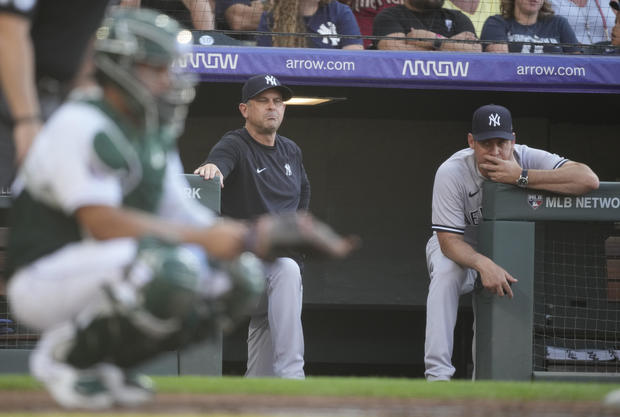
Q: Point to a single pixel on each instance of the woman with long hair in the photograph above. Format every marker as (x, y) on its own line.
(528, 26)
(322, 20)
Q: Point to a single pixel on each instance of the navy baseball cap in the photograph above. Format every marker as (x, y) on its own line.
(492, 121)
(259, 83)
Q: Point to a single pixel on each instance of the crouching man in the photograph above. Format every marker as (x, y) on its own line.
(107, 258)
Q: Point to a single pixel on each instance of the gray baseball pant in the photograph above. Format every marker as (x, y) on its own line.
(275, 334)
(448, 281)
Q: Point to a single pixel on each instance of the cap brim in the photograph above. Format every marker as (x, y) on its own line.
(499, 134)
(286, 92)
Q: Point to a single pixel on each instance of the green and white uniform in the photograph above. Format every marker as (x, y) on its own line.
(57, 267)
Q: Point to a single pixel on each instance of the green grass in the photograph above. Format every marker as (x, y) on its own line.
(116, 414)
(364, 387)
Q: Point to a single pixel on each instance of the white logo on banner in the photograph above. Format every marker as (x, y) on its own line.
(494, 120)
(435, 68)
(212, 60)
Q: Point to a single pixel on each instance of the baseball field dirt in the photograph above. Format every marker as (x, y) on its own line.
(38, 402)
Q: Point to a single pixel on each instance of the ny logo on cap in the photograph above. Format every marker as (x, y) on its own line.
(494, 120)
(270, 79)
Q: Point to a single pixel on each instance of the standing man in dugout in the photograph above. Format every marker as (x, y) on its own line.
(262, 172)
(452, 259)
(107, 258)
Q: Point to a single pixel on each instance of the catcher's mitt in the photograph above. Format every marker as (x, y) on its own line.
(274, 235)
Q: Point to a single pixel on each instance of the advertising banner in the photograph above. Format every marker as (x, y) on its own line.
(395, 69)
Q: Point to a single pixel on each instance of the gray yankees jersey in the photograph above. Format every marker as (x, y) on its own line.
(457, 191)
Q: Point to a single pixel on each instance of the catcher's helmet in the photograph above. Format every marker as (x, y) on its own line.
(130, 36)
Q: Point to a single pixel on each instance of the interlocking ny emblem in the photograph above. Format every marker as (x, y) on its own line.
(329, 28)
(270, 79)
(494, 120)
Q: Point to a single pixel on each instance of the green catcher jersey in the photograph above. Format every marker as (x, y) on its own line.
(87, 154)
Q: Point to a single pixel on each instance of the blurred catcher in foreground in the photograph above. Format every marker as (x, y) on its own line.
(108, 259)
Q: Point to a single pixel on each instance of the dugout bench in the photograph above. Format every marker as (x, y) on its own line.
(17, 341)
(562, 323)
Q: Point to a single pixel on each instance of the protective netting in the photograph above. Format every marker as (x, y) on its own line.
(12, 334)
(556, 26)
(577, 298)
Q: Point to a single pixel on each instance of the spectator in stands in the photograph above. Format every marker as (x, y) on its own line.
(193, 14)
(325, 17)
(365, 12)
(478, 11)
(424, 25)
(238, 15)
(612, 46)
(615, 32)
(452, 258)
(42, 50)
(591, 20)
(528, 26)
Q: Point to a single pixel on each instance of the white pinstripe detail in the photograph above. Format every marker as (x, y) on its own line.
(447, 229)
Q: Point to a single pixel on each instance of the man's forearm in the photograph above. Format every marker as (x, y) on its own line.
(409, 41)
(493, 277)
(242, 17)
(224, 239)
(497, 48)
(398, 45)
(573, 178)
(459, 46)
(17, 67)
(462, 42)
(201, 13)
(454, 247)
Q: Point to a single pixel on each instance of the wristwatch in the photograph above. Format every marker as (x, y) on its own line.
(522, 181)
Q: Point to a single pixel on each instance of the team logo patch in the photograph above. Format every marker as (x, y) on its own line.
(535, 200)
(271, 80)
(494, 120)
(329, 28)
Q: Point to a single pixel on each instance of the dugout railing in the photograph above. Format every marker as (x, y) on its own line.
(564, 320)
(17, 341)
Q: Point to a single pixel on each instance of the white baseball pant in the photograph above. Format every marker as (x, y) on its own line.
(448, 281)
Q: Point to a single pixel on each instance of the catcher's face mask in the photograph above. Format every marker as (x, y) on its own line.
(135, 49)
